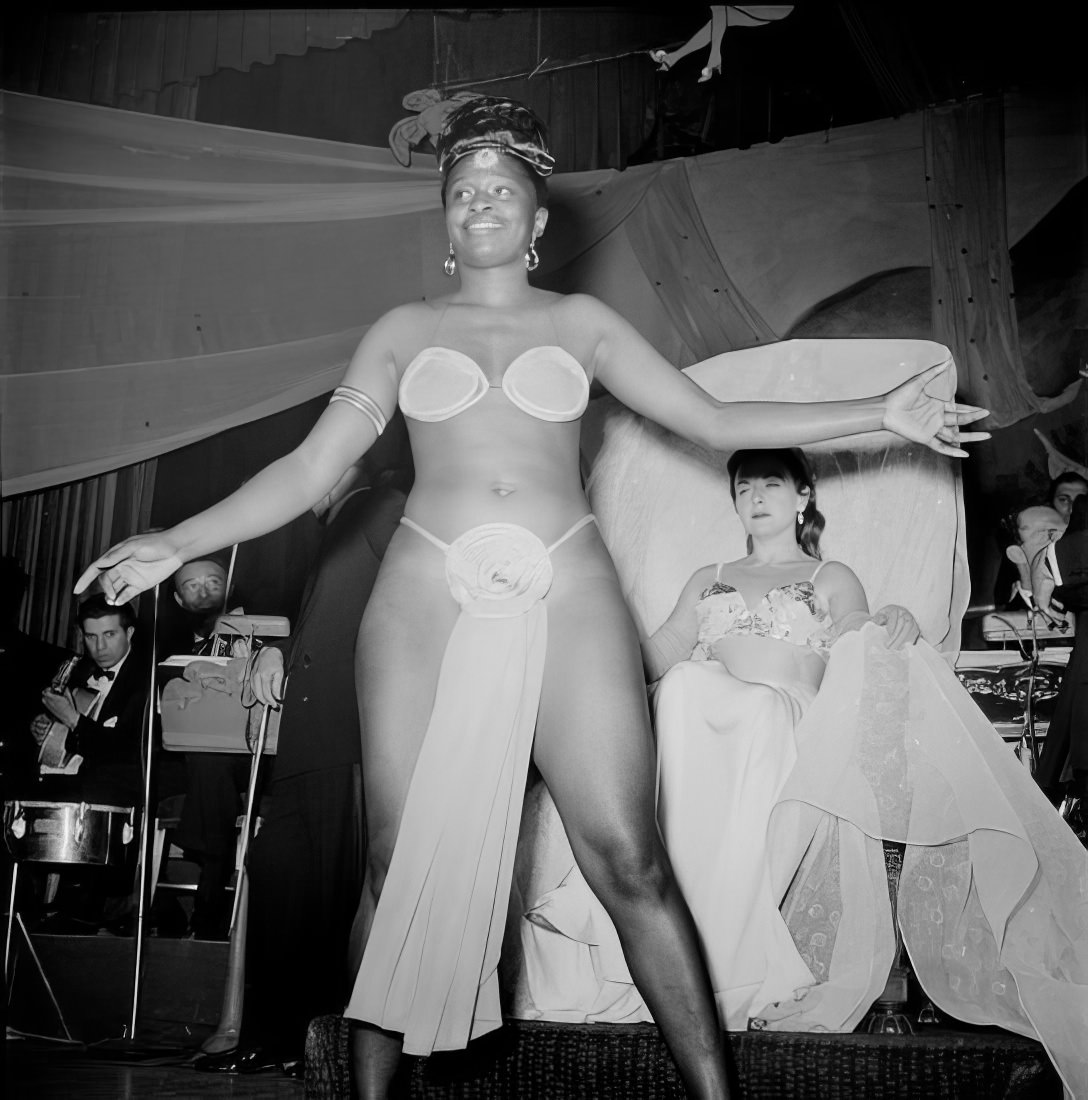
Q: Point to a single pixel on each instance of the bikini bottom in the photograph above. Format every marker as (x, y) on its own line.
(429, 971)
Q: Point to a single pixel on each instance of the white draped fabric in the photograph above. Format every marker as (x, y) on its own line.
(774, 810)
(894, 512)
(168, 279)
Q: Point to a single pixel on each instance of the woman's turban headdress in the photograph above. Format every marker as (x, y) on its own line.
(492, 123)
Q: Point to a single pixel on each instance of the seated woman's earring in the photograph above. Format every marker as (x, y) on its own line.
(450, 266)
(532, 260)
(800, 517)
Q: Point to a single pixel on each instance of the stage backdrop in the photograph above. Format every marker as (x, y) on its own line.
(168, 279)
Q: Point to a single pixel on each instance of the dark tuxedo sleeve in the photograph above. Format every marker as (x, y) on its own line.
(1071, 550)
(117, 742)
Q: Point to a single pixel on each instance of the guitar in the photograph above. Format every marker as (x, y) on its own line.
(50, 734)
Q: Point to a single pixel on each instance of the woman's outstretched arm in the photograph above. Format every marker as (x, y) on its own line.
(278, 493)
(632, 370)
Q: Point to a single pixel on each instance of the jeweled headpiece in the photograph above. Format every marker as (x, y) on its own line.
(492, 123)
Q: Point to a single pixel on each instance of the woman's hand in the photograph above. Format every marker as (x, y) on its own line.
(913, 414)
(902, 627)
(266, 680)
(132, 567)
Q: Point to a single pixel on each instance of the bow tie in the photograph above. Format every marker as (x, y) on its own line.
(102, 676)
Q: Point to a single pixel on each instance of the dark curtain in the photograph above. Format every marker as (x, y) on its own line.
(972, 288)
(57, 532)
(152, 61)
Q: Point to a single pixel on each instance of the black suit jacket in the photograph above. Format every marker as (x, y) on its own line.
(1067, 735)
(1071, 551)
(110, 743)
(320, 724)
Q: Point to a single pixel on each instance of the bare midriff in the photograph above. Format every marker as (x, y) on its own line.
(496, 464)
(769, 661)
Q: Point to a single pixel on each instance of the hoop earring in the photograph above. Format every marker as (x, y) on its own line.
(532, 260)
(450, 266)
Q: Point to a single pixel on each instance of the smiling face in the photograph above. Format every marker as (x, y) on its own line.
(491, 210)
(767, 498)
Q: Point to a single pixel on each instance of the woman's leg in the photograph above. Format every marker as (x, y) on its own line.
(401, 641)
(595, 752)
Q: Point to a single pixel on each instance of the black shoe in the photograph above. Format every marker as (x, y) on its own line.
(60, 924)
(224, 1062)
(123, 926)
(294, 1067)
(239, 1060)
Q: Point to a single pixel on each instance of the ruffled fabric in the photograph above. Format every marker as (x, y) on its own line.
(498, 570)
(993, 894)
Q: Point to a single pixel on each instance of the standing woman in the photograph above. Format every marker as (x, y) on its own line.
(498, 612)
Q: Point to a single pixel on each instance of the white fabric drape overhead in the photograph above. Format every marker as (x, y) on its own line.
(168, 279)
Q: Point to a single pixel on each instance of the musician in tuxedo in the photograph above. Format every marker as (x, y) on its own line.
(305, 865)
(100, 713)
(200, 591)
(97, 721)
(1060, 577)
(214, 783)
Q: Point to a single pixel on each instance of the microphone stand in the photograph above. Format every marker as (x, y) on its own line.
(1027, 737)
(125, 1046)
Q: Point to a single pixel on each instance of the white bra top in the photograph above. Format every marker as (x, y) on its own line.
(546, 382)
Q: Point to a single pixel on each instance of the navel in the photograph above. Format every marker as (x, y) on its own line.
(503, 488)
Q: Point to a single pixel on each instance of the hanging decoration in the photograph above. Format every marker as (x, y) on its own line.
(1058, 463)
(721, 17)
(413, 131)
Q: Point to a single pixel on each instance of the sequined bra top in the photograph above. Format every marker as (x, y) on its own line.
(791, 613)
(545, 382)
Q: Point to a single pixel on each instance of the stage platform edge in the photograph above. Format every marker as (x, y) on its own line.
(537, 1060)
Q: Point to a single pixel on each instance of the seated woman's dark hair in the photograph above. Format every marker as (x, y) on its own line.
(797, 468)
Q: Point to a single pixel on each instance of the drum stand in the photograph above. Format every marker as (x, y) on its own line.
(1028, 742)
(1027, 747)
(9, 970)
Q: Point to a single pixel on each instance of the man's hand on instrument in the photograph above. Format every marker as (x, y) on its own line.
(267, 677)
(913, 414)
(1042, 582)
(902, 627)
(132, 567)
(40, 726)
(62, 707)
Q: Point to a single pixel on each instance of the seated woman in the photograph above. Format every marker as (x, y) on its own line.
(740, 660)
(794, 734)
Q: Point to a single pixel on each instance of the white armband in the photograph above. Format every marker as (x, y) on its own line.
(363, 402)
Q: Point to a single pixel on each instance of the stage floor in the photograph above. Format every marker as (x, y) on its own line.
(38, 1071)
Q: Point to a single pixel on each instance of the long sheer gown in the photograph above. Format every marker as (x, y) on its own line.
(774, 800)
